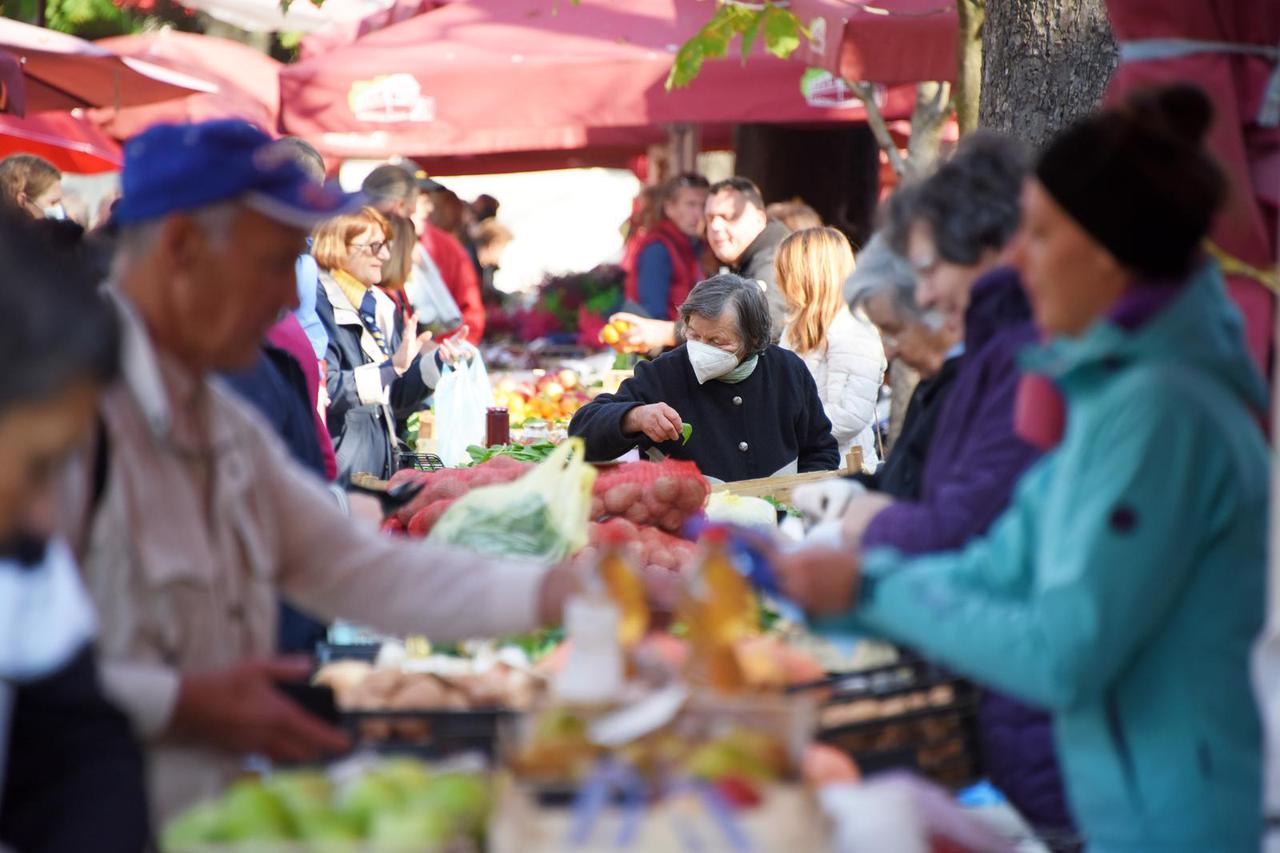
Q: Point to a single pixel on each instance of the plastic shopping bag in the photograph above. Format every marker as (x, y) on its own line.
(461, 400)
(542, 516)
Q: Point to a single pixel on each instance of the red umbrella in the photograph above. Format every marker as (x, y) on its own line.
(888, 41)
(66, 140)
(62, 72)
(531, 75)
(247, 81)
(1229, 49)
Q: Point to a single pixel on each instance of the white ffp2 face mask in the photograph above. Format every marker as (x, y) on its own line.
(709, 362)
(55, 211)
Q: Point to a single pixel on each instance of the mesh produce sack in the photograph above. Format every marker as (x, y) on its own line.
(661, 494)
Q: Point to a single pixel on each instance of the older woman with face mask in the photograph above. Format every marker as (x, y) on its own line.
(1125, 585)
(753, 407)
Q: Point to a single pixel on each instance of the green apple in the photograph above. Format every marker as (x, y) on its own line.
(201, 824)
(252, 813)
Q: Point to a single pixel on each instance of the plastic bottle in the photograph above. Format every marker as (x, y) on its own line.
(719, 609)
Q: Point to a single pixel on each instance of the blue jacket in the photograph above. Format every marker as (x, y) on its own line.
(1125, 585)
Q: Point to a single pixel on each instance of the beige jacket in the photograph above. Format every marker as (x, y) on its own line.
(204, 519)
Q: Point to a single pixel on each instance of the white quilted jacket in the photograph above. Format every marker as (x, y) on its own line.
(849, 370)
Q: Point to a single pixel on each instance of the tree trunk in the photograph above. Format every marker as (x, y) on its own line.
(1045, 63)
(968, 88)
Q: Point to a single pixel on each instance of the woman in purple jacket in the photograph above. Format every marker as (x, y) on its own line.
(960, 220)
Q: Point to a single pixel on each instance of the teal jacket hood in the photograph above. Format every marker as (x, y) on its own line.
(1200, 328)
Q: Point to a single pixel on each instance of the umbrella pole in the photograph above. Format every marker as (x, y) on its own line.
(683, 142)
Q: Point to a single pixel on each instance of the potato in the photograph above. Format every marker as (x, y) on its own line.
(637, 513)
(343, 677)
(420, 693)
(667, 490)
(619, 499)
(673, 520)
(693, 494)
(376, 690)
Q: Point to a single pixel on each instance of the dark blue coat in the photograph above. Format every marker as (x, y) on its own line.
(770, 423)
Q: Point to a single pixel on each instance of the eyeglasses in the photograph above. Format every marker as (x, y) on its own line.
(924, 266)
(375, 249)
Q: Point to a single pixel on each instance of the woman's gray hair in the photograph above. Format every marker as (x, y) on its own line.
(882, 271)
(711, 298)
(972, 203)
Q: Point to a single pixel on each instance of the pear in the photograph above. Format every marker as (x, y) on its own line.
(410, 831)
(250, 812)
(367, 798)
(199, 825)
(462, 799)
(303, 793)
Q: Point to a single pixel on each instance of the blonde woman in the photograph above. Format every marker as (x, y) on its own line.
(842, 350)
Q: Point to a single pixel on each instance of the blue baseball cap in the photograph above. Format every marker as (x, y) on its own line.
(175, 167)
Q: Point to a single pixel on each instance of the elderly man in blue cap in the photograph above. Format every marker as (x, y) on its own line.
(191, 518)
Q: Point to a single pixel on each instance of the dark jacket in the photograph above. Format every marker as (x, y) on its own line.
(757, 263)
(973, 462)
(770, 423)
(901, 475)
(362, 427)
(73, 775)
(276, 387)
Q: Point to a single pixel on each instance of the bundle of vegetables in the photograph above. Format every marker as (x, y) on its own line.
(531, 453)
(661, 494)
(542, 516)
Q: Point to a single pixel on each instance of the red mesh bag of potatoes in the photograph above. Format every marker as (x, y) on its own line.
(662, 494)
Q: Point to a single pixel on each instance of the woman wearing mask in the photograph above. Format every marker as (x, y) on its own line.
(841, 350)
(377, 368)
(1125, 584)
(71, 774)
(753, 408)
(33, 185)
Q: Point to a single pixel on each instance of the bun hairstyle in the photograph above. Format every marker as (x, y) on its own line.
(1139, 180)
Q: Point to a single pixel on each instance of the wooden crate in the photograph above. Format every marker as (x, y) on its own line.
(778, 488)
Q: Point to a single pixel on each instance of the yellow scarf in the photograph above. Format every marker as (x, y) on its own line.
(351, 287)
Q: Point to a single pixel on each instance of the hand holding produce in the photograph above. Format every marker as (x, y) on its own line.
(657, 421)
(822, 579)
(633, 333)
(241, 711)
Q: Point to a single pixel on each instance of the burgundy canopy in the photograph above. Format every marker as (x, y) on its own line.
(487, 76)
(1232, 51)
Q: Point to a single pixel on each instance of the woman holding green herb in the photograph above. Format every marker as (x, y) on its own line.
(755, 406)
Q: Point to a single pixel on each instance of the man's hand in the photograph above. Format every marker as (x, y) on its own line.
(642, 334)
(239, 710)
(859, 514)
(562, 581)
(658, 421)
(821, 579)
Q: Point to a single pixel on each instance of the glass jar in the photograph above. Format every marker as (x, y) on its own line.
(535, 431)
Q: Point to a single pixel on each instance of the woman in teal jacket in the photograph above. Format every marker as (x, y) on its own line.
(1125, 585)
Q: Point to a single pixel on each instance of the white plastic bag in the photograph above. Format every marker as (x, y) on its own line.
(461, 399)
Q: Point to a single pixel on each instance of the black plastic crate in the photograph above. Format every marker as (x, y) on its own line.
(419, 461)
(910, 715)
(431, 734)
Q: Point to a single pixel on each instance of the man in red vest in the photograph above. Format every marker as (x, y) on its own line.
(668, 262)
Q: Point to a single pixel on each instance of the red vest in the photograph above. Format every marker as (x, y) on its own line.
(686, 271)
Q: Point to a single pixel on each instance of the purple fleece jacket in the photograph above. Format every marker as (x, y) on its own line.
(973, 462)
(975, 457)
